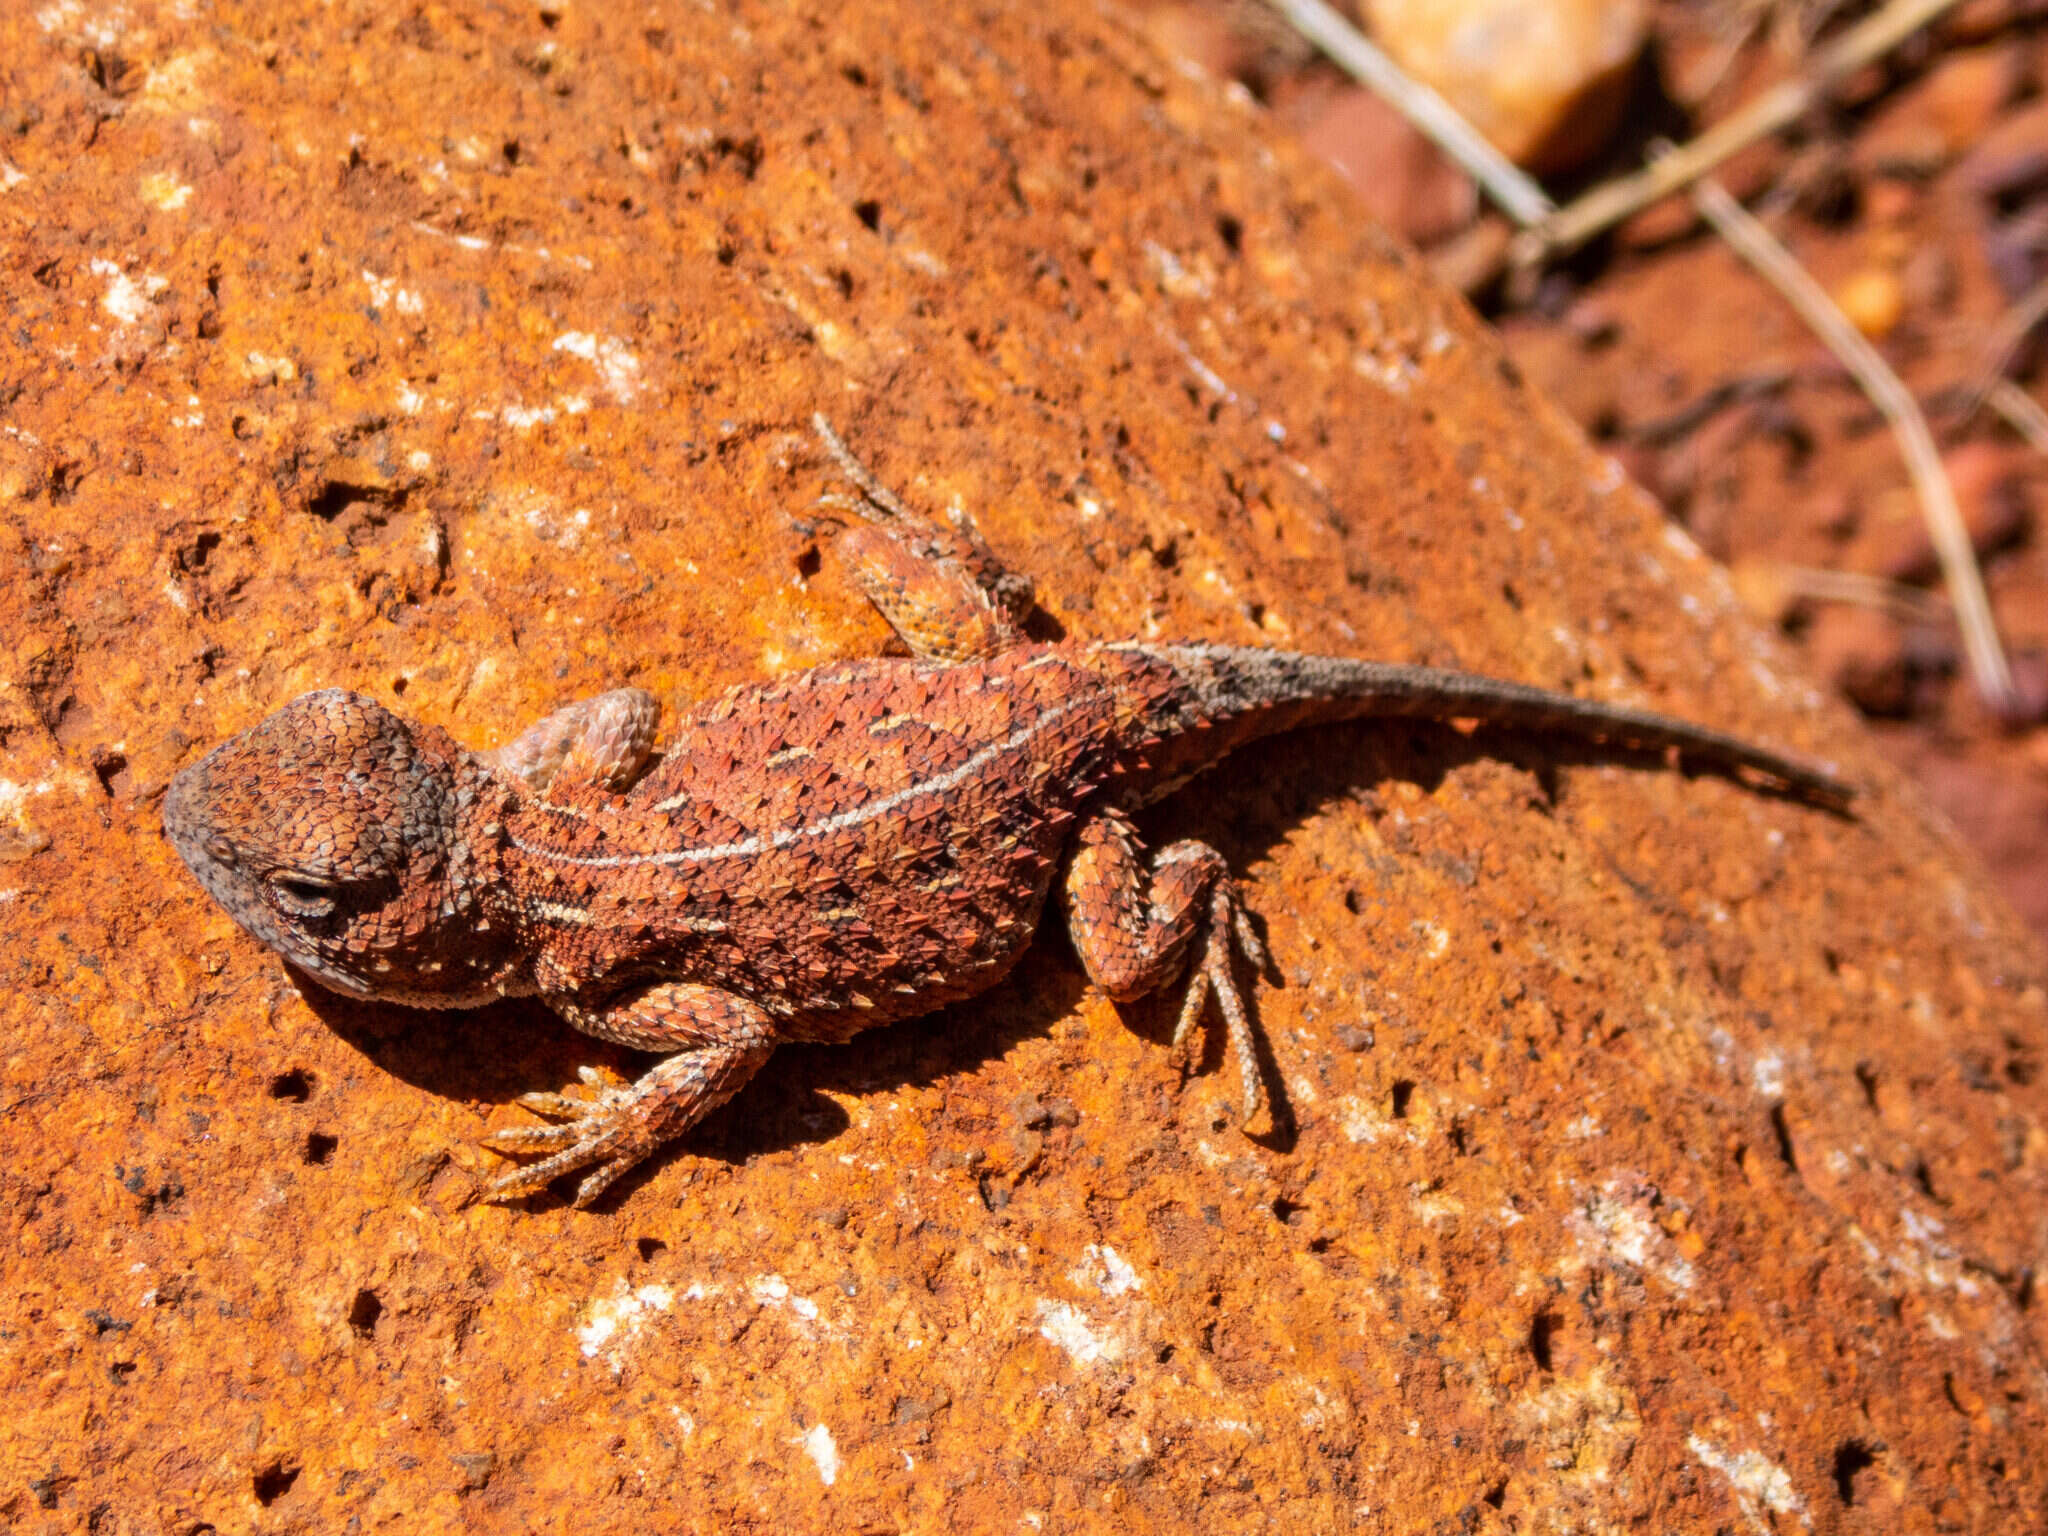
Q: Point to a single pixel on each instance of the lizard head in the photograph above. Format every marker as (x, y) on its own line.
(331, 831)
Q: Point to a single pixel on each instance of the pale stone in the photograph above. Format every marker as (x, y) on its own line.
(1545, 82)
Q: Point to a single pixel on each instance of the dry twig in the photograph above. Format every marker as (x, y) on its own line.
(2003, 344)
(1790, 584)
(1951, 539)
(1611, 202)
(1558, 230)
(1502, 180)
(2022, 412)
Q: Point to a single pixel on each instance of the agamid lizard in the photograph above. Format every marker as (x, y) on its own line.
(857, 843)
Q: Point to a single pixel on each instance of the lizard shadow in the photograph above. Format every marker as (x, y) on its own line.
(1270, 788)
(495, 1053)
(1246, 809)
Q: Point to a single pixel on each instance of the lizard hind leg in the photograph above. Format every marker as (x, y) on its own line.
(720, 1041)
(940, 587)
(1137, 930)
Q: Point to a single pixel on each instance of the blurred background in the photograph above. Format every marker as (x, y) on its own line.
(1911, 185)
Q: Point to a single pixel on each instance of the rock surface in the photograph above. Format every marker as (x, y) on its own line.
(1661, 1155)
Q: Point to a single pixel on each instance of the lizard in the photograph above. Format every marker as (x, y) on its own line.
(853, 844)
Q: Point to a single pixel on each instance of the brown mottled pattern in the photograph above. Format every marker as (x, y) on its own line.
(858, 843)
(862, 843)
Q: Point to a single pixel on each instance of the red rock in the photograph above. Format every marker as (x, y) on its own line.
(1863, 653)
(1205, 36)
(1944, 114)
(2012, 154)
(1992, 485)
(1402, 178)
(1692, 1174)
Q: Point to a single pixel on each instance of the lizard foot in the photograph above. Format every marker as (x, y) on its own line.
(595, 1130)
(1140, 928)
(1211, 973)
(621, 1124)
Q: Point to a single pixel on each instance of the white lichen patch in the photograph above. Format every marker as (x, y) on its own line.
(1757, 1481)
(164, 191)
(617, 1320)
(386, 294)
(1364, 1122)
(524, 418)
(10, 177)
(823, 1450)
(127, 298)
(1068, 1328)
(268, 368)
(1612, 1227)
(617, 368)
(1436, 1209)
(1436, 938)
(71, 21)
(173, 86)
(773, 1291)
(1104, 1269)
(25, 836)
(1176, 278)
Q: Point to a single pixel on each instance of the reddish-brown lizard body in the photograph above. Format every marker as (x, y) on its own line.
(858, 843)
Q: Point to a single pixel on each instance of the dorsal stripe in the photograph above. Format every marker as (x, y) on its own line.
(750, 847)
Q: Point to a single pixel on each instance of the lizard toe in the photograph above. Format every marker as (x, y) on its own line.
(558, 1106)
(1237, 1026)
(587, 1144)
(605, 1130)
(603, 1179)
(533, 1138)
(1248, 942)
(517, 1184)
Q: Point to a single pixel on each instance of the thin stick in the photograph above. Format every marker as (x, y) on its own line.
(1609, 203)
(1945, 528)
(2004, 342)
(2021, 412)
(1507, 184)
(1908, 604)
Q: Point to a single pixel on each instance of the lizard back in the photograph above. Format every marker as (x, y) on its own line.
(858, 843)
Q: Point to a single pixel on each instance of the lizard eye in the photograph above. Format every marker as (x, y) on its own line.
(301, 897)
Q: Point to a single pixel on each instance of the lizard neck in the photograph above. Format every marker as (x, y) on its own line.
(468, 946)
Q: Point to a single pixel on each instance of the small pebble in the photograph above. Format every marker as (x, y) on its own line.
(1873, 301)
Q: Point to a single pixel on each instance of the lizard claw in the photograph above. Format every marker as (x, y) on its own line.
(536, 1176)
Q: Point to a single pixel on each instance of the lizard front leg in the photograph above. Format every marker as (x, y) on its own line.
(720, 1039)
(942, 589)
(1136, 928)
(604, 740)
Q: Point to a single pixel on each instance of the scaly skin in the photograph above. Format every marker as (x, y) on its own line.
(855, 844)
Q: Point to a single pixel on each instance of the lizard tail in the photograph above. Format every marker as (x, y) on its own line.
(1247, 692)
